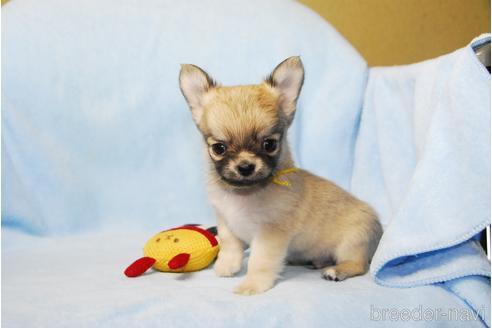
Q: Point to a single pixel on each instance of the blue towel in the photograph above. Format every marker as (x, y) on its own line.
(423, 159)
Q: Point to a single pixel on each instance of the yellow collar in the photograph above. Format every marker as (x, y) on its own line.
(279, 173)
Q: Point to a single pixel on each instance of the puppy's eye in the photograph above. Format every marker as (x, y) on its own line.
(270, 145)
(219, 148)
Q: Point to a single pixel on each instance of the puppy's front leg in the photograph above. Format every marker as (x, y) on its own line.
(231, 251)
(268, 251)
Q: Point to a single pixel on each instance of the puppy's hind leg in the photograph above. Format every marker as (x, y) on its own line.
(344, 270)
(350, 262)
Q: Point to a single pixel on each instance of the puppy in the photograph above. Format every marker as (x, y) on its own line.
(260, 198)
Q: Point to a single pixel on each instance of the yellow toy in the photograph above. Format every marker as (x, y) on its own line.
(183, 249)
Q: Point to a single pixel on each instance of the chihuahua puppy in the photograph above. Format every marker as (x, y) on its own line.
(260, 198)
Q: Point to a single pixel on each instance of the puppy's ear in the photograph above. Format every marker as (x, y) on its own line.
(288, 78)
(194, 83)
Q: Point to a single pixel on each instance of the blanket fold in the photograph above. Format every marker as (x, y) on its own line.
(423, 159)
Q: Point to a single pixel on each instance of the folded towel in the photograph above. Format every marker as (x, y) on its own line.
(423, 160)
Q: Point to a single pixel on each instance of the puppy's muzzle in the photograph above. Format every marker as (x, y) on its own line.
(246, 169)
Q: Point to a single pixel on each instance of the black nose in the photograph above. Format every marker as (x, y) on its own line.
(246, 169)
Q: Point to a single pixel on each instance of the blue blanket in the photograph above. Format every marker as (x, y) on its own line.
(96, 132)
(99, 152)
(78, 281)
(423, 159)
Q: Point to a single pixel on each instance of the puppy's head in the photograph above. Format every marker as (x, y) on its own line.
(244, 127)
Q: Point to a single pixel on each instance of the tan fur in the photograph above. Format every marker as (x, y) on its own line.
(234, 112)
(312, 220)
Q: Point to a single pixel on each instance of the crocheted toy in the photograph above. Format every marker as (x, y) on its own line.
(183, 249)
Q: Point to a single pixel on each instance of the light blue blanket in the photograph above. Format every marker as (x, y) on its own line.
(78, 281)
(423, 159)
(99, 152)
(96, 132)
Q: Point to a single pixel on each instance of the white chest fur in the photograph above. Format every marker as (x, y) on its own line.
(243, 213)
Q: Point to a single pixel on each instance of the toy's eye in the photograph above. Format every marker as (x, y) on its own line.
(176, 240)
(219, 148)
(270, 145)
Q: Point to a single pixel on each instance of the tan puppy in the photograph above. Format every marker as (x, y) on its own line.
(295, 216)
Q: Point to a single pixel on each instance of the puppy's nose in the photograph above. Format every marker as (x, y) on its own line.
(246, 169)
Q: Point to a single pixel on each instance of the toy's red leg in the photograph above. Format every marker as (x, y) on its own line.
(178, 261)
(139, 266)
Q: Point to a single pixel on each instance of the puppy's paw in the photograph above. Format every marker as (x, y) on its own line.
(227, 265)
(332, 273)
(254, 286)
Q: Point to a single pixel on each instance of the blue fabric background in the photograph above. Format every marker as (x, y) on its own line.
(96, 132)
